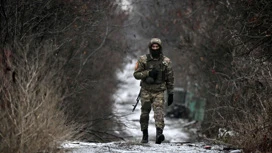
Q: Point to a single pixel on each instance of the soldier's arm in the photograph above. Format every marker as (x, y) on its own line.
(169, 76)
(140, 72)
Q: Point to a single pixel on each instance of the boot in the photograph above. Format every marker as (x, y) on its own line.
(145, 136)
(159, 136)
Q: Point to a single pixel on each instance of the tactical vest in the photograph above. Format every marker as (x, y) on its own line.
(159, 83)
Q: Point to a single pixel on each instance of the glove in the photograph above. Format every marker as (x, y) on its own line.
(153, 73)
(170, 99)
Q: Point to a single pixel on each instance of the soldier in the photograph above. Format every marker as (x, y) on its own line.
(156, 75)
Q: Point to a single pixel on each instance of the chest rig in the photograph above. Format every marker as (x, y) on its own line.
(159, 66)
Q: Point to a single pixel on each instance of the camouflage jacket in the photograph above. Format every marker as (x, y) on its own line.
(143, 67)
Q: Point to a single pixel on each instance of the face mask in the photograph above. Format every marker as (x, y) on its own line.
(155, 53)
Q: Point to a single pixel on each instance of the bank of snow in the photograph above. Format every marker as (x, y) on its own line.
(132, 147)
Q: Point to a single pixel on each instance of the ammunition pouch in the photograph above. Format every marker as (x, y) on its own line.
(159, 83)
(159, 66)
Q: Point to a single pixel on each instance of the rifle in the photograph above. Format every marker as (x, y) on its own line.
(137, 101)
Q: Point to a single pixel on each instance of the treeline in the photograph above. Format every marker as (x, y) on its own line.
(221, 50)
(57, 72)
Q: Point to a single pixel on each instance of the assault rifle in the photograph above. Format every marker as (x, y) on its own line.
(137, 101)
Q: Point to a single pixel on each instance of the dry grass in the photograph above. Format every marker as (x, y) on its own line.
(255, 133)
(245, 107)
(31, 119)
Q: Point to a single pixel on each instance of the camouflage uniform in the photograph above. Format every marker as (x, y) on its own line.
(152, 91)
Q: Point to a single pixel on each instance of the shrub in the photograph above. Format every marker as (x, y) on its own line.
(31, 119)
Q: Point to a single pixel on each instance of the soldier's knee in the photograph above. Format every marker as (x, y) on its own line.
(160, 125)
(146, 107)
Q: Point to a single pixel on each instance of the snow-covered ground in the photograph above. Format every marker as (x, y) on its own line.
(132, 147)
(176, 137)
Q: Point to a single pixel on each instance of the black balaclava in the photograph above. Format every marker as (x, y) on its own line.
(155, 53)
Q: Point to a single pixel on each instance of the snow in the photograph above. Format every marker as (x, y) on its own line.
(125, 5)
(132, 147)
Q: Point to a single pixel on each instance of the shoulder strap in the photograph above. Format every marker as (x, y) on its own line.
(148, 57)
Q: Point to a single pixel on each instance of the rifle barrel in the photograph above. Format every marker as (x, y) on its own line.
(137, 101)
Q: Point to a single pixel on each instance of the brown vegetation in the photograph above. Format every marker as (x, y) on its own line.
(31, 118)
(58, 60)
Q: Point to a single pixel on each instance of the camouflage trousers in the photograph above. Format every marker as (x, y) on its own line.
(155, 101)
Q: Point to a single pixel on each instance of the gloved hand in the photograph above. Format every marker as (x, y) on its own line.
(170, 99)
(153, 73)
